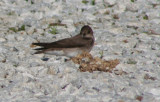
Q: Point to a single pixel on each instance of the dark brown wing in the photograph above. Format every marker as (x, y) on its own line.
(76, 41)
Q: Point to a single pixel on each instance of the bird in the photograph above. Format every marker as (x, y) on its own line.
(70, 47)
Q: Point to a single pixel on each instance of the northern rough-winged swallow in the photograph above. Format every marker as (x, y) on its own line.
(69, 47)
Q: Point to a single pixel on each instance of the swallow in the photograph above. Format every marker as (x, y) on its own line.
(70, 47)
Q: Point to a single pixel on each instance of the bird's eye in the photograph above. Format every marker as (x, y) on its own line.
(83, 35)
(89, 31)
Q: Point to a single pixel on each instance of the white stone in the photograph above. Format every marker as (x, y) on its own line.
(30, 30)
(120, 9)
(10, 37)
(155, 21)
(20, 38)
(110, 2)
(2, 39)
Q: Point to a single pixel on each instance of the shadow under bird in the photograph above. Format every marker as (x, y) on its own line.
(70, 47)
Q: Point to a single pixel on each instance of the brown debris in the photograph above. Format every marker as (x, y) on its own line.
(120, 72)
(115, 16)
(125, 41)
(147, 77)
(121, 101)
(139, 98)
(57, 24)
(88, 63)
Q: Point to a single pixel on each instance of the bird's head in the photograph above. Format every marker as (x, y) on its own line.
(87, 32)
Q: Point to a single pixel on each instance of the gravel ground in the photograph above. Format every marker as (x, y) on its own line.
(127, 30)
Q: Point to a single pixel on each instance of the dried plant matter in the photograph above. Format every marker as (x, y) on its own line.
(89, 63)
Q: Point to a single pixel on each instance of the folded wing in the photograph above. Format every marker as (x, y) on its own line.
(73, 42)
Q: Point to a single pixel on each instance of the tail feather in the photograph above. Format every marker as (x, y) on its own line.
(39, 44)
(43, 47)
(39, 49)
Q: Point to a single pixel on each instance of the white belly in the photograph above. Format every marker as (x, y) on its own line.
(67, 52)
(55, 52)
